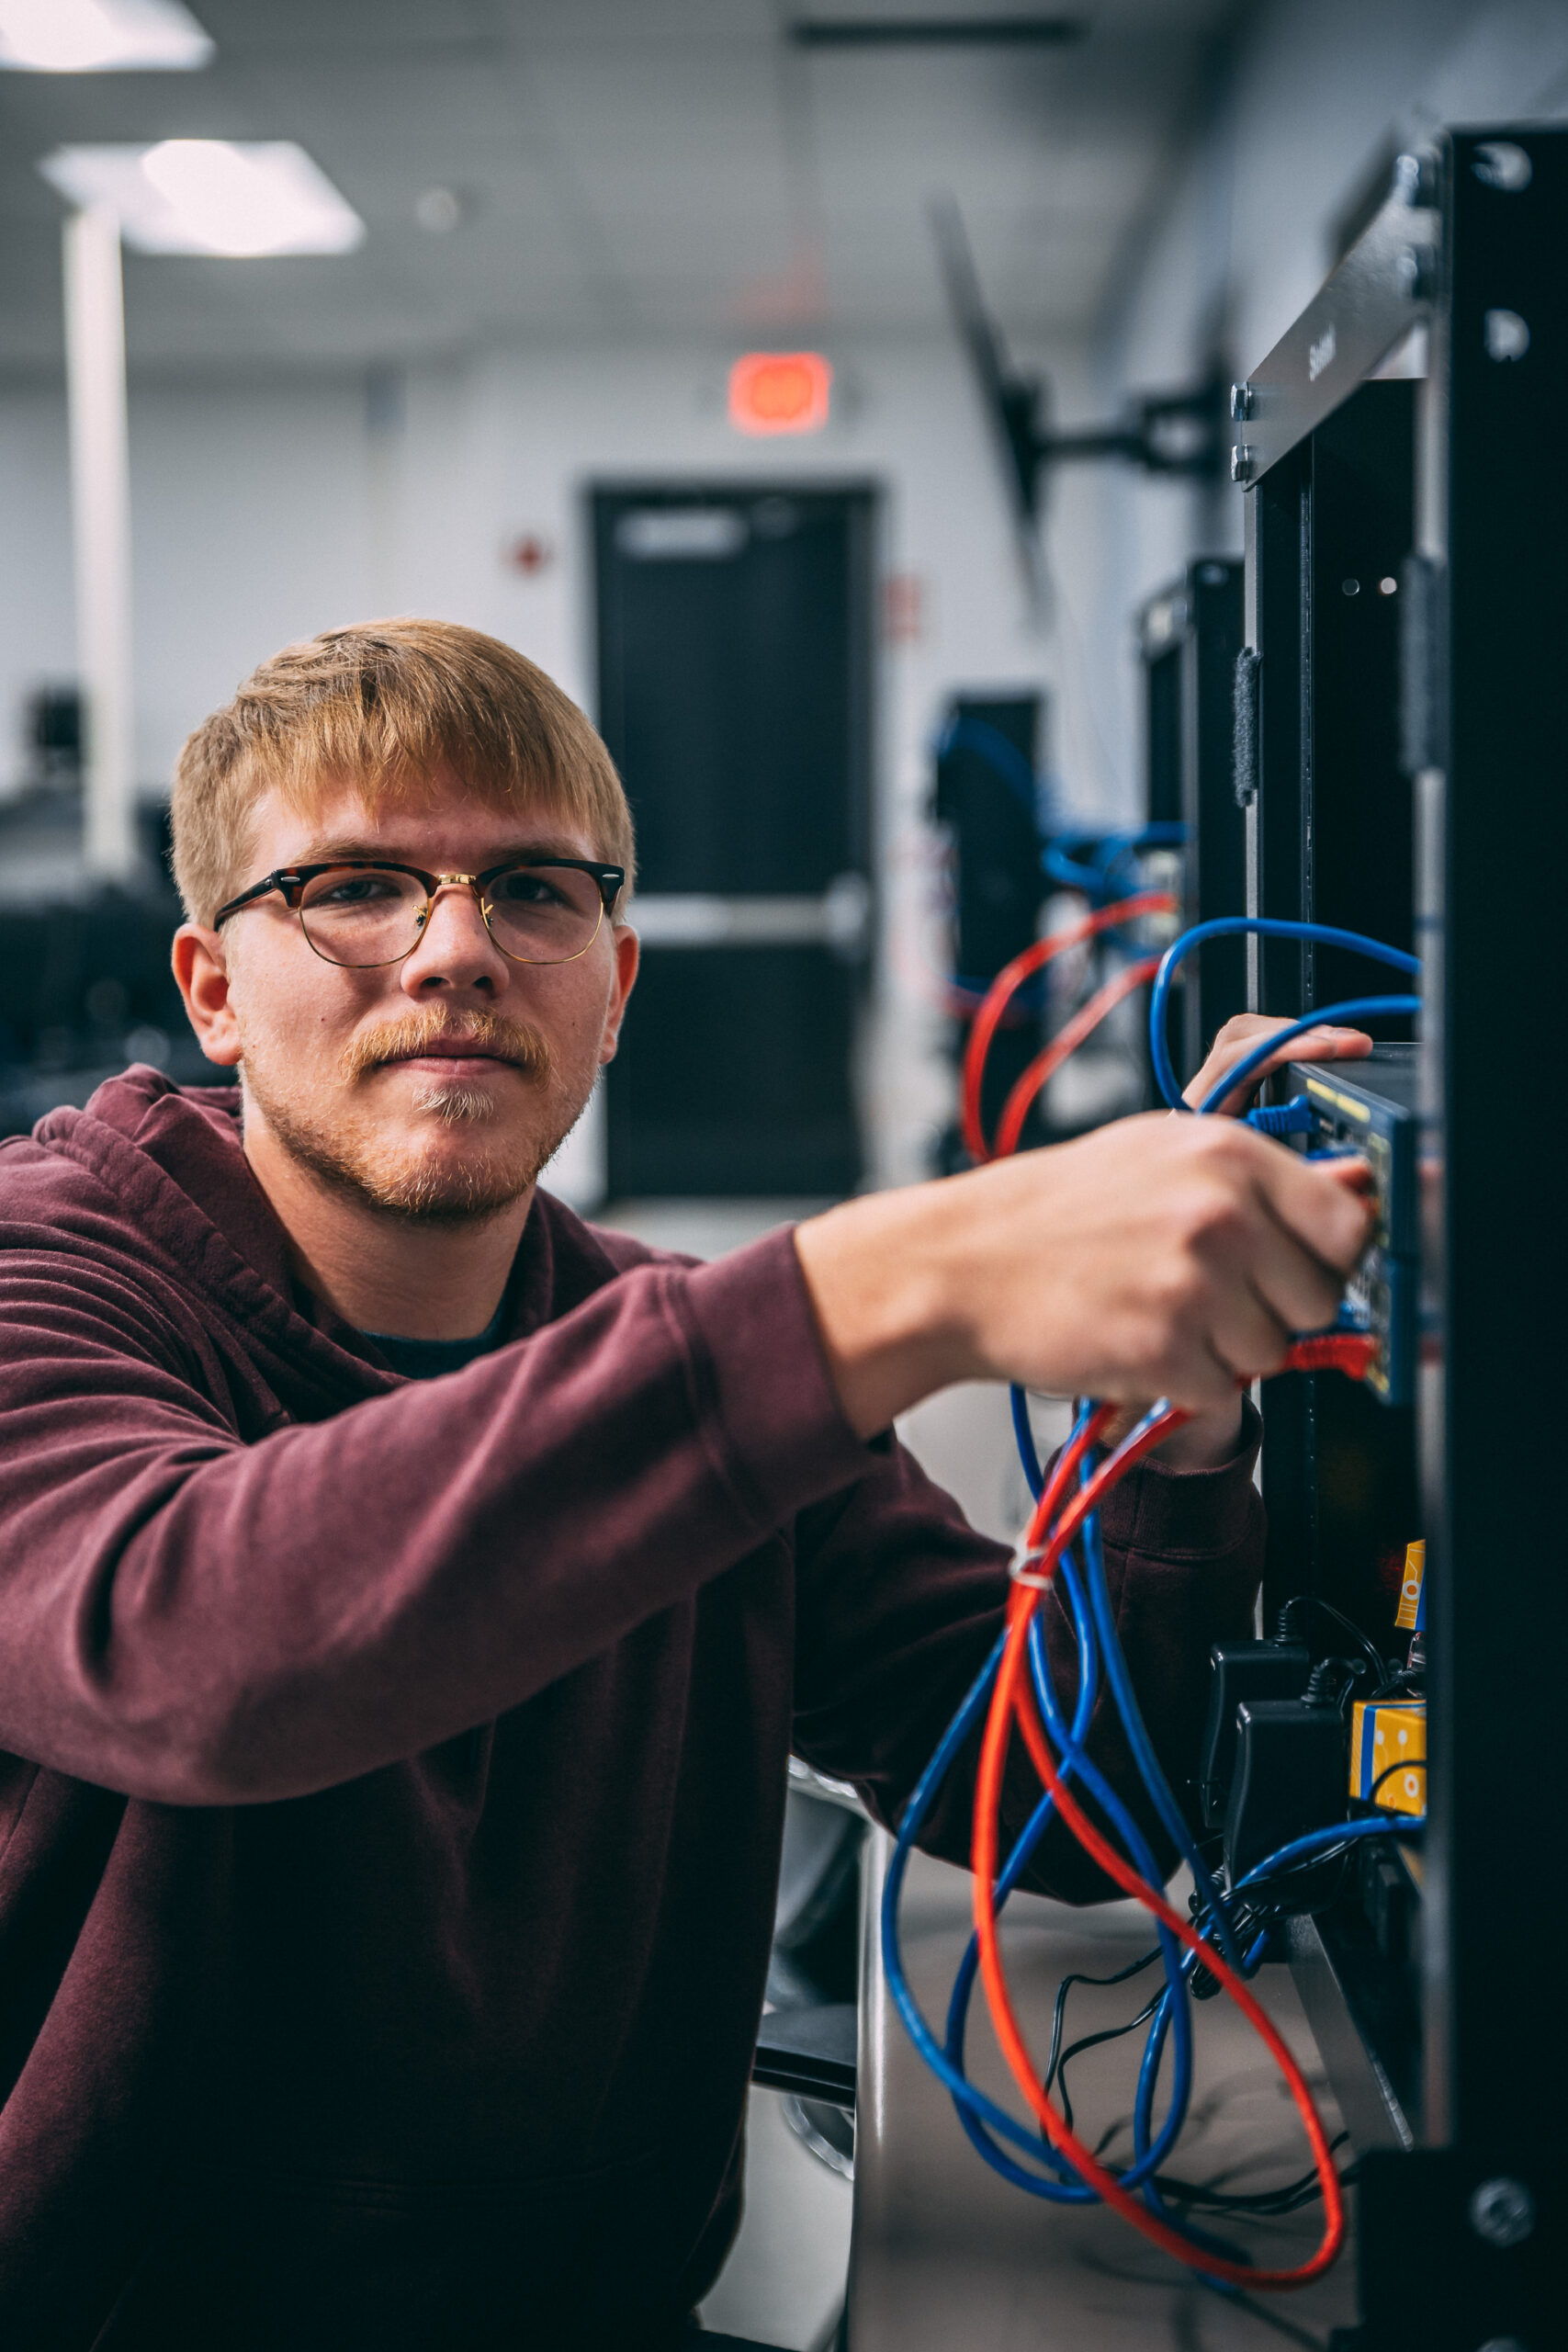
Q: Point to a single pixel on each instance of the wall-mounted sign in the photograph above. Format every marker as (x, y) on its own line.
(780, 391)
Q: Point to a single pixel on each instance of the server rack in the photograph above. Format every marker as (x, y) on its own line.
(985, 797)
(1188, 637)
(1460, 2210)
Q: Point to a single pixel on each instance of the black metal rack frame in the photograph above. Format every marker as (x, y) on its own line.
(1189, 636)
(1468, 469)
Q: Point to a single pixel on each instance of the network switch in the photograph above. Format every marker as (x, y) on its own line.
(1370, 1107)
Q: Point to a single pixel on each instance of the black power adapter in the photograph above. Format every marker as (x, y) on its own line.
(1290, 1777)
(1241, 1670)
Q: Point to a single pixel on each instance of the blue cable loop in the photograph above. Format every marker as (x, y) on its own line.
(1268, 927)
(1069, 2191)
(1318, 1841)
(1351, 1007)
(1106, 853)
(1094, 1624)
(972, 2105)
(999, 752)
(1147, 2156)
(1150, 1772)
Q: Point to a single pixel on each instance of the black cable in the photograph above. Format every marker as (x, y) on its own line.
(1263, 2202)
(1287, 1623)
(1089, 2041)
(1405, 1764)
(1410, 1681)
(1058, 2015)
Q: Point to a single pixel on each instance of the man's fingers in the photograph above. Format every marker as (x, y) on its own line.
(1245, 1031)
(1318, 1207)
(1292, 1285)
(1330, 1045)
(1248, 1334)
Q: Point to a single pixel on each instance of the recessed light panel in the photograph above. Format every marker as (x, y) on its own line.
(211, 196)
(100, 37)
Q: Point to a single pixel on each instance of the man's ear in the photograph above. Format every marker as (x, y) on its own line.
(628, 952)
(203, 975)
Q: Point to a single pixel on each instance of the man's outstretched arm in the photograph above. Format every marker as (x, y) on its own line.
(1157, 1257)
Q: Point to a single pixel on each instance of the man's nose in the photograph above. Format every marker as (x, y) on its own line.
(455, 948)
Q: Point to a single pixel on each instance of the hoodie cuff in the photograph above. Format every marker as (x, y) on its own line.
(1186, 1514)
(775, 1411)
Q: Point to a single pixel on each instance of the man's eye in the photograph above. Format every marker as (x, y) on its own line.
(357, 890)
(527, 890)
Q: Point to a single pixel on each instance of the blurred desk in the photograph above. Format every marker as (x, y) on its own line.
(949, 2257)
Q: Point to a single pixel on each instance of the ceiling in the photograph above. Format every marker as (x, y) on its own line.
(626, 168)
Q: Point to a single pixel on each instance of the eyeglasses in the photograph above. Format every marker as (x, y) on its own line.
(360, 913)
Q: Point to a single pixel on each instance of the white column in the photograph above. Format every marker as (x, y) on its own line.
(101, 505)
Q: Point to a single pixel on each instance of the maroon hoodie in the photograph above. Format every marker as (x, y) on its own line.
(396, 1772)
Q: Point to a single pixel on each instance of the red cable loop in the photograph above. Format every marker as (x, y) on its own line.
(1051, 1529)
(1013, 1700)
(1010, 979)
(1065, 1042)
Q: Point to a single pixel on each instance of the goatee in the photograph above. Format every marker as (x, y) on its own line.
(349, 1154)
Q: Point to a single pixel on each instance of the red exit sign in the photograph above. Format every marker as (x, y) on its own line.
(780, 391)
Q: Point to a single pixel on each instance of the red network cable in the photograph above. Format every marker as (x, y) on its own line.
(1050, 1531)
(1054, 1522)
(1010, 979)
(1064, 1044)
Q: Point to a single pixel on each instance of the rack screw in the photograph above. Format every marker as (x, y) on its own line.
(1244, 462)
(1502, 2211)
(1416, 275)
(1244, 400)
(1415, 178)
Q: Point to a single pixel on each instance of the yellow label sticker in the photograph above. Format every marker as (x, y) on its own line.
(1346, 1102)
(1410, 1585)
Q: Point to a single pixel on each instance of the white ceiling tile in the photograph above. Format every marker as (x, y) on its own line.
(658, 167)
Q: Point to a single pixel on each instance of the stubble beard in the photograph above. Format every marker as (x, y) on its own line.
(343, 1149)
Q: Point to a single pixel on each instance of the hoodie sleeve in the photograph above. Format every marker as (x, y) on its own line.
(901, 1601)
(191, 1617)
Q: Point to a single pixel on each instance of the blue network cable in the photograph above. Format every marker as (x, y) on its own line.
(980, 2116)
(1268, 927)
(948, 2063)
(1099, 1650)
(1001, 754)
(1351, 1007)
(1170, 1814)
(975, 2110)
(1107, 852)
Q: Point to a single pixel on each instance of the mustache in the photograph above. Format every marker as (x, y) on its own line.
(417, 1033)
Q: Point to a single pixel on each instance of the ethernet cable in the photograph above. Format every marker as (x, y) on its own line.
(1323, 935)
(1006, 1692)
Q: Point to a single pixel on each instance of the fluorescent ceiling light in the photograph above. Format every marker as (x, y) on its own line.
(207, 196)
(100, 37)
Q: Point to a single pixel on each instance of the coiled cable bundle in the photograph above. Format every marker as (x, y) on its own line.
(1221, 1943)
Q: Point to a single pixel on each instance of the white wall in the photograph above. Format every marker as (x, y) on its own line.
(264, 513)
(1317, 91)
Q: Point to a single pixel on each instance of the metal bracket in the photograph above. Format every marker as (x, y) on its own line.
(1384, 285)
(1459, 2251)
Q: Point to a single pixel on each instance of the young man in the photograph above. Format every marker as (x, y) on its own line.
(389, 1834)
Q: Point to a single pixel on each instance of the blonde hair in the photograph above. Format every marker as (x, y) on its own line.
(381, 705)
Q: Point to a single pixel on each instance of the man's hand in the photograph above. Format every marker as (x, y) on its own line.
(1211, 1438)
(1156, 1257)
(1245, 1030)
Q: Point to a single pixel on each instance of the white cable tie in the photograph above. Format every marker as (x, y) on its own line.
(1018, 1567)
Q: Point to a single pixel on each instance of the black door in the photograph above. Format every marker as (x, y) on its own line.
(734, 638)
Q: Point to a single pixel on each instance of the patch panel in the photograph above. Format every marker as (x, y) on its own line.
(1370, 1107)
